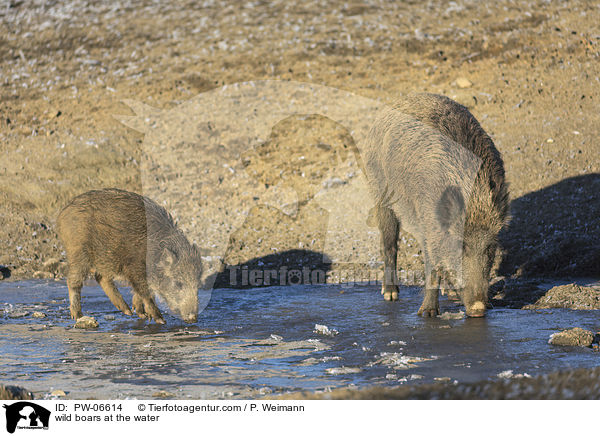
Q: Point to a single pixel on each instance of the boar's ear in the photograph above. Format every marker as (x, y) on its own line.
(167, 258)
(451, 207)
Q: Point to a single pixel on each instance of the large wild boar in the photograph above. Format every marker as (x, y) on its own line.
(435, 173)
(119, 234)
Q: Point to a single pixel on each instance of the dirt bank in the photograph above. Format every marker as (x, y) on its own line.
(580, 384)
(532, 75)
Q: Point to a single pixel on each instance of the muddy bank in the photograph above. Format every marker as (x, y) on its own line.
(579, 384)
(569, 296)
(538, 293)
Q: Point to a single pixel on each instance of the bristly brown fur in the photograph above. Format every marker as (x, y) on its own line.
(120, 234)
(455, 121)
(446, 179)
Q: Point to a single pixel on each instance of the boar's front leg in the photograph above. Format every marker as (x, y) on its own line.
(389, 228)
(113, 293)
(431, 306)
(74, 283)
(79, 267)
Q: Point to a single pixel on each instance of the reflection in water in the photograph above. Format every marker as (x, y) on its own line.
(252, 342)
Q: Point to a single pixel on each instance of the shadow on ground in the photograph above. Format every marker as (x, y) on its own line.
(555, 232)
(290, 267)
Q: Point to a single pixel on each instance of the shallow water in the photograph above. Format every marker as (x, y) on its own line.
(231, 353)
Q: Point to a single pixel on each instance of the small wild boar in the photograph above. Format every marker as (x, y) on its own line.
(119, 234)
(435, 173)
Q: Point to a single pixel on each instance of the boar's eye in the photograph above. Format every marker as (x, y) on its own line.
(178, 284)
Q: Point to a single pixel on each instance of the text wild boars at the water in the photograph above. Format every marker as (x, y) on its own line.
(119, 234)
(435, 173)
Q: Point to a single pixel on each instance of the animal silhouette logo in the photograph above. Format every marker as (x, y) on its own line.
(225, 123)
(194, 162)
(26, 415)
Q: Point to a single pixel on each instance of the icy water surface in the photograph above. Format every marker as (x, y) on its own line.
(248, 343)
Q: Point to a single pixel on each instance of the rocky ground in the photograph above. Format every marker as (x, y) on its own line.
(14, 393)
(577, 384)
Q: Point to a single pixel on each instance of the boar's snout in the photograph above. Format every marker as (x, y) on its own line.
(190, 319)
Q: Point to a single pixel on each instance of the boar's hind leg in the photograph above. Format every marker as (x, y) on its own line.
(389, 228)
(144, 298)
(446, 287)
(152, 311)
(113, 293)
(431, 305)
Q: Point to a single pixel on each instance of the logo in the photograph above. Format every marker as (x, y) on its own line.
(240, 125)
(26, 415)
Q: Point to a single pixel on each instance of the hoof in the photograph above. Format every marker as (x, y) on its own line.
(390, 296)
(476, 310)
(389, 292)
(428, 312)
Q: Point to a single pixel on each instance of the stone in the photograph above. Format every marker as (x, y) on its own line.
(572, 337)
(86, 322)
(463, 82)
(14, 393)
(324, 330)
(570, 296)
(43, 275)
